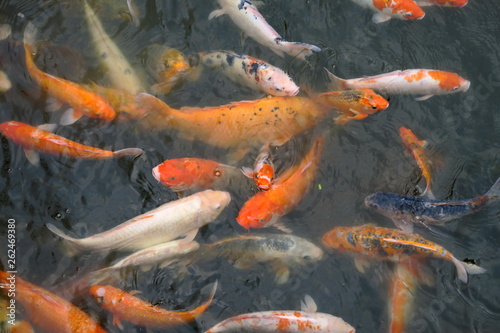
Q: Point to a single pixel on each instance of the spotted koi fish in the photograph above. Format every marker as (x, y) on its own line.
(406, 210)
(253, 24)
(444, 3)
(416, 148)
(251, 72)
(263, 170)
(399, 9)
(377, 243)
(423, 82)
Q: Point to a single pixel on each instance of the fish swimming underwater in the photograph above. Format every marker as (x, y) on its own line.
(165, 223)
(46, 310)
(399, 9)
(266, 207)
(377, 243)
(124, 306)
(416, 148)
(251, 72)
(263, 170)
(307, 320)
(425, 82)
(444, 3)
(37, 139)
(405, 210)
(253, 24)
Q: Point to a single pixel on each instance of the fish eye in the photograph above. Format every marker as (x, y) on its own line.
(408, 14)
(455, 88)
(217, 173)
(217, 206)
(277, 89)
(374, 107)
(306, 257)
(100, 299)
(375, 206)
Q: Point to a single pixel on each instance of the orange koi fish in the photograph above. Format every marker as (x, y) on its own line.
(379, 243)
(415, 147)
(125, 306)
(266, 207)
(22, 326)
(354, 104)
(182, 174)
(387, 9)
(46, 310)
(121, 101)
(444, 3)
(82, 100)
(35, 140)
(263, 170)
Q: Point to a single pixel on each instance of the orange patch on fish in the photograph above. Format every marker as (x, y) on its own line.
(416, 77)
(447, 81)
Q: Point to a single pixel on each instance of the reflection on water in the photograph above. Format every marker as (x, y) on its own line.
(360, 158)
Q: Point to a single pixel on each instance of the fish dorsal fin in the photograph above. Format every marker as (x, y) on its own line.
(361, 264)
(216, 13)
(380, 17)
(47, 127)
(308, 305)
(404, 225)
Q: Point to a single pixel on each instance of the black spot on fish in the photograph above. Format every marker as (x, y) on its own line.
(260, 109)
(278, 40)
(104, 55)
(223, 114)
(254, 68)
(350, 239)
(230, 59)
(255, 113)
(241, 4)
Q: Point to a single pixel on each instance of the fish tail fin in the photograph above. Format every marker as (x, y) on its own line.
(473, 269)
(464, 267)
(494, 191)
(336, 83)
(199, 310)
(29, 35)
(298, 49)
(70, 245)
(134, 152)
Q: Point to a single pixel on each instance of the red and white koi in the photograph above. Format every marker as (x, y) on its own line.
(263, 170)
(40, 139)
(387, 9)
(444, 3)
(251, 72)
(252, 23)
(425, 82)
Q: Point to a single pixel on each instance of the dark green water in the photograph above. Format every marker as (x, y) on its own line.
(360, 158)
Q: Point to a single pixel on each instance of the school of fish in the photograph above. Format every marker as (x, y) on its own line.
(253, 136)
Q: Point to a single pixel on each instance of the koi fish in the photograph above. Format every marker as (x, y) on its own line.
(38, 139)
(399, 9)
(424, 82)
(279, 250)
(48, 311)
(163, 224)
(5, 83)
(168, 66)
(183, 174)
(118, 70)
(253, 24)
(415, 147)
(377, 243)
(266, 207)
(22, 326)
(307, 320)
(354, 104)
(263, 170)
(83, 101)
(445, 3)
(125, 306)
(251, 72)
(405, 210)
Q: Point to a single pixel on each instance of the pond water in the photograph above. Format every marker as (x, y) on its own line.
(360, 158)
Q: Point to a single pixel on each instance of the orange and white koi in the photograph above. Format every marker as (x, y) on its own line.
(266, 207)
(263, 170)
(36, 139)
(252, 23)
(425, 82)
(444, 3)
(377, 243)
(183, 174)
(416, 148)
(169, 67)
(399, 9)
(251, 72)
(307, 320)
(46, 310)
(82, 100)
(124, 306)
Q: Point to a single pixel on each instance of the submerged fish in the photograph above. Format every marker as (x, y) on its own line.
(377, 243)
(445, 3)
(168, 66)
(266, 207)
(425, 82)
(263, 170)
(251, 72)
(182, 174)
(405, 210)
(307, 320)
(279, 250)
(5, 83)
(399, 9)
(416, 148)
(36, 139)
(253, 24)
(124, 306)
(165, 223)
(82, 100)
(47, 310)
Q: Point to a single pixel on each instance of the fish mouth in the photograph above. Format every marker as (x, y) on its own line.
(466, 86)
(156, 173)
(294, 92)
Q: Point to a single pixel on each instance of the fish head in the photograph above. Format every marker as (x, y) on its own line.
(102, 109)
(276, 82)
(212, 203)
(105, 296)
(450, 82)
(340, 239)
(11, 128)
(259, 212)
(406, 10)
(338, 324)
(388, 204)
(372, 102)
(310, 252)
(264, 176)
(173, 65)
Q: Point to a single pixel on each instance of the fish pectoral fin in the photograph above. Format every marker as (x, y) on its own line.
(361, 264)
(404, 225)
(190, 235)
(32, 156)
(146, 268)
(69, 117)
(282, 272)
(166, 263)
(308, 305)
(423, 98)
(278, 224)
(380, 17)
(117, 322)
(53, 104)
(134, 292)
(247, 171)
(47, 127)
(216, 13)
(244, 262)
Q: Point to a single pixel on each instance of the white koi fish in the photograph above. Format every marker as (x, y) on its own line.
(251, 72)
(248, 19)
(163, 224)
(118, 70)
(307, 320)
(399, 9)
(423, 82)
(444, 3)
